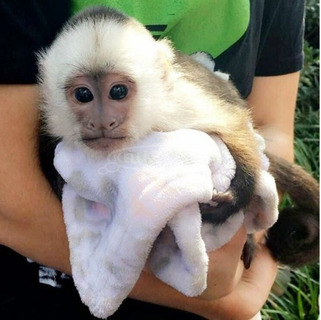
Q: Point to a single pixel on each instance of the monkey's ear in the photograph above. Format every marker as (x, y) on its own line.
(166, 56)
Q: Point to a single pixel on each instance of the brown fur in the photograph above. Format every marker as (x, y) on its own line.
(294, 239)
(235, 131)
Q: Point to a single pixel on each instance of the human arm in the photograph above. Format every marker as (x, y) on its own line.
(273, 101)
(31, 220)
(181, 301)
(30, 215)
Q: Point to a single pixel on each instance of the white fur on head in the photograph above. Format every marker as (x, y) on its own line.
(100, 45)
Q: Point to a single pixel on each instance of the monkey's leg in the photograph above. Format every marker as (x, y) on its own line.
(248, 251)
(236, 198)
(249, 247)
(219, 197)
(228, 203)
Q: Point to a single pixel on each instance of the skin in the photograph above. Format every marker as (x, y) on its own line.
(273, 102)
(32, 224)
(102, 128)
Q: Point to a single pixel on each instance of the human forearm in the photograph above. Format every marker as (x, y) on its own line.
(273, 101)
(31, 223)
(241, 304)
(30, 215)
(150, 289)
(31, 219)
(278, 142)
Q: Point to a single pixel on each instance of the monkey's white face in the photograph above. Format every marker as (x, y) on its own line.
(103, 82)
(102, 105)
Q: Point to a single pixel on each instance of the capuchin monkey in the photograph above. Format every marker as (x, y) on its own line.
(106, 82)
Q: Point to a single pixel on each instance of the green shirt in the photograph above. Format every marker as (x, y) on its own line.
(193, 25)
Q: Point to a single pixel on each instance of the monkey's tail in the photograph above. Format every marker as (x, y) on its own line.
(294, 239)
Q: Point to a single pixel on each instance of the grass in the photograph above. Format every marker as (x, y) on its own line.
(300, 298)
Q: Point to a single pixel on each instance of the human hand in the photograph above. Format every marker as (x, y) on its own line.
(225, 267)
(232, 291)
(251, 286)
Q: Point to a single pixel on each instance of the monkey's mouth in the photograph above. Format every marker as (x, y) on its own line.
(103, 143)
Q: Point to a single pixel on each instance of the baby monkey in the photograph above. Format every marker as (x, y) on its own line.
(106, 82)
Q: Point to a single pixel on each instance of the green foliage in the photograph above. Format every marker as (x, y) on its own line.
(308, 97)
(307, 140)
(300, 298)
(312, 22)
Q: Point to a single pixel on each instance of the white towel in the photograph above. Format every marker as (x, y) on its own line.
(140, 204)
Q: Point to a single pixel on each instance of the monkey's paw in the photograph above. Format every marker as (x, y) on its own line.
(218, 199)
(219, 208)
(221, 197)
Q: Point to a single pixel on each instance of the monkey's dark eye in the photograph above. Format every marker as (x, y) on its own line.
(118, 92)
(83, 95)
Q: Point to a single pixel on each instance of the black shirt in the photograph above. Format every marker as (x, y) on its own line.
(272, 45)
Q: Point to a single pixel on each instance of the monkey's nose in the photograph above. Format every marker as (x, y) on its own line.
(91, 125)
(108, 125)
(112, 124)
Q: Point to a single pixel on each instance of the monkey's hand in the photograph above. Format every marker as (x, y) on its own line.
(220, 197)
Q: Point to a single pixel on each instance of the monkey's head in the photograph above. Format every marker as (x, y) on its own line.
(101, 79)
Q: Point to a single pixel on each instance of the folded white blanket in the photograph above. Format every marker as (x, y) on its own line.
(140, 205)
